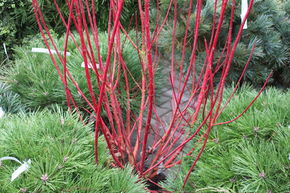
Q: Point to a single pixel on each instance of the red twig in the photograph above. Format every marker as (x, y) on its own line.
(132, 137)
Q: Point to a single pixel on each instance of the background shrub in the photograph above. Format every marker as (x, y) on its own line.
(61, 151)
(248, 155)
(18, 20)
(267, 26)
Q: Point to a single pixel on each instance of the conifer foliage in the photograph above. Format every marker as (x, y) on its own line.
(61, 152)
(268, 28)
(249, 155)
(34, 78)
(10, 101)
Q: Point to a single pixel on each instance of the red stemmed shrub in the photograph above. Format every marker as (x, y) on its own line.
(142, 139)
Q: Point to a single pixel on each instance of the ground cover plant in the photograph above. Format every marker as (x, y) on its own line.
(132, 137)
(248, 155)
(61, 152)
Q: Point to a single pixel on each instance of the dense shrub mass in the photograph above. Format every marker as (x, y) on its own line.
(248, 155)
(267, 28)
(17, 21)
(62, 158)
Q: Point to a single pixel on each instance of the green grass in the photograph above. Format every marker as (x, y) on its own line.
(248, 155)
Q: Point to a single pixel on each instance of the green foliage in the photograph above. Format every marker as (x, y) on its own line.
(267, 26)
(34, 78)
(248, 155)
(101, 9)
(61, 151)
(9, 101)
(9, 28)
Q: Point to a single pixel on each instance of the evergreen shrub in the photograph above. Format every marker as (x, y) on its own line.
(268, 28)
(62, 158)
(34, 77)
(249, 155)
